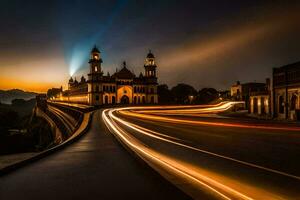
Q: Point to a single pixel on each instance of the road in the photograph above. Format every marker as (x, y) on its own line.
(224, 157)
(95, 167)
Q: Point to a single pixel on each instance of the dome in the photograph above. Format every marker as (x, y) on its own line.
(95, 50)
(150, 54)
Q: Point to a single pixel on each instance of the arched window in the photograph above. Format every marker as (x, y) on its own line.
(139, 100)
(111, 89)
(143, 99)
(113, 99)
(134, 100)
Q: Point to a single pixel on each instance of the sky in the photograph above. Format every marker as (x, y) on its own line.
(207, 43)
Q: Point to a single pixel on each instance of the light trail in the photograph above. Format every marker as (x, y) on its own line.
(179, 110)
(128, 112)
(143, 152)
(148, 133)
(223, 187)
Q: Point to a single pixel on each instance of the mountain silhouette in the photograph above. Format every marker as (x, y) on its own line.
(6, 96)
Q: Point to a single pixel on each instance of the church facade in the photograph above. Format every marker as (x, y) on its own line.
(122, 87)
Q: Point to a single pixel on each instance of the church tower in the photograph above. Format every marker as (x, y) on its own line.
(95, 78)
(151, 78)
(150, 66)
(95, 61)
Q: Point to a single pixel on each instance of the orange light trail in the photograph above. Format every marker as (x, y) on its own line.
(226, 106)
(223, 187)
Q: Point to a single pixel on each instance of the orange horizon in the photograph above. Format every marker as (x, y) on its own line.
(38, 87)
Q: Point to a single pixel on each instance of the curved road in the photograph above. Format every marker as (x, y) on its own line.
(230, 158)
(95, 167)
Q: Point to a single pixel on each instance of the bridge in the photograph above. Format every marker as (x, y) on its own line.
(159, 152)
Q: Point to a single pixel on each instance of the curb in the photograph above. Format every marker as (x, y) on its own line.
(47, 152)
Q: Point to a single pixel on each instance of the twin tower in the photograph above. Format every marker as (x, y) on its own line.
(122, 87)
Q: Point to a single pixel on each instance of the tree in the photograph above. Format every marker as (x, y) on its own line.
(18, 102)
(183, 93)
(207, 95)
(8, 119)
(164, 94)
(53, 92)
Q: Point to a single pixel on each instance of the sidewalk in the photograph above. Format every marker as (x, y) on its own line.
(95, 167)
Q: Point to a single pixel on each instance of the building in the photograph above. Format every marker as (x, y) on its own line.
(54, 92)
(286, 92)
(260, 100)
(123, 87)
(241, 92)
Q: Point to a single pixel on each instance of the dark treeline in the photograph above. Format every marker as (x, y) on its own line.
(186, 94)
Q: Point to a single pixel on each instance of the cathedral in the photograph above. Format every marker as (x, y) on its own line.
(122, 87)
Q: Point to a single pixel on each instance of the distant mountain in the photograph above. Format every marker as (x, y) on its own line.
(6, 96)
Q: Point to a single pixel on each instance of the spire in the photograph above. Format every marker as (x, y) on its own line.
(82, 80)
(95, 50)
(124, 64)
(150, 54)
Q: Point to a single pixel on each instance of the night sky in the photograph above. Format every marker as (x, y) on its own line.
(203, 43)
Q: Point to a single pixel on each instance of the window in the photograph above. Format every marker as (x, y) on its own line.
(96, 69)
(134, 100)
(152, 99)
(113, 99)
(281, 104)
(263, 108)
(97, 97)
(151, 90)
(293, 102)
(106, 99)
(97, 88)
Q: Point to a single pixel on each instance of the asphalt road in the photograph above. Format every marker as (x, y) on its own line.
(95, 167)
(245, 160)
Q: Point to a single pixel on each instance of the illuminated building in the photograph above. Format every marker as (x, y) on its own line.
(286, 92)
(241, 92)
(260, 100)
(123, 87)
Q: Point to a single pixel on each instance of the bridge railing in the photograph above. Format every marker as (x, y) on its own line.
(77, 115)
